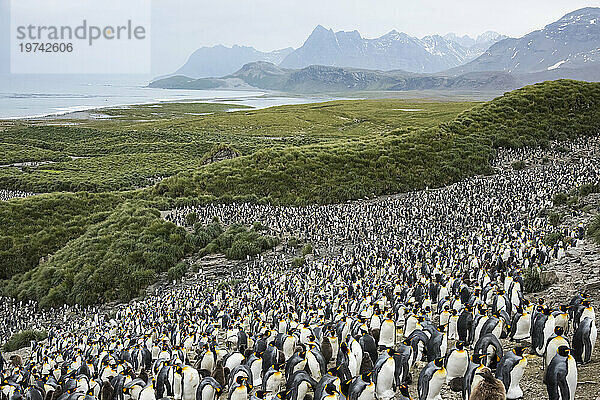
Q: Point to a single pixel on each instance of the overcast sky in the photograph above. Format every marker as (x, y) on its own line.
(181, 26)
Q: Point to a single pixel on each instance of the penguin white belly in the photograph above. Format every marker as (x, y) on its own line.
(385, 380)
(289, 345)
(551, 348)
(478, 328)
(515, 391)
(239, 393)
(435, 384)
(453, 328)
(302, 390)
(368, 393)
(274, 382)
(387, 333)
(593, 336)
(335, 347)
(208, 362)
(497, 331)
(352, 364)
(233, 361)
(256, 369)
(457, 365)
(444, 318)
(313, 366)
(548, 330)
(191, 380)
(571, 377)
(208, 392)
(149, 394)
(523, 327)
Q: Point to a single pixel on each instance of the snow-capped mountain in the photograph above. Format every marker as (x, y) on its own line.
(392, 51)
(571, 42)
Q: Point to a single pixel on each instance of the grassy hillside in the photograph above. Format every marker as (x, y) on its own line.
(402, 160)
(108, 243)
(139, 143)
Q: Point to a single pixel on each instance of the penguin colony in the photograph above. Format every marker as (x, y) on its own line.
(427, 288)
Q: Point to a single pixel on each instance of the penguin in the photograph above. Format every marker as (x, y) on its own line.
(465, 324)
(297, 386)
(510, 370)
(106, 391)
(296, 363)
(361, 388)
(208, 389)
(457, 362)
(561, 375)
(330, 392)
(384, 375)
(431, 379)
(387, 333)
(584, 341)
(542, 329)
(489, 388)
(453, 325)
(404, 393)
(471, 376)
(520, 325)
(554, 342)
(273, 379)
(219, 373)
(490, 347)
(240, 389)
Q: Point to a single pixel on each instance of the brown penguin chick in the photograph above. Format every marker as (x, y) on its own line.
(56, 393)
(219, 373)
(375, 334)
(326, 349)
(16, 360)
(489, 388)
(106, 391)
(366, 365)
(143, 376)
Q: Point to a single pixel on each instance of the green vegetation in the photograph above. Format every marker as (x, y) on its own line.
(23, 339)
(176, 272)
(112, 260)
(140, 143)
(403, 159)
(555, 218)
(593, 230)
(93, 247)
(552, 238)
(519, 165)
(307, 249)
(560, 199)
(238, 242)
(532, 282)
(298, 262)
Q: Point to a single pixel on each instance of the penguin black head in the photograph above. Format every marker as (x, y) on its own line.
(563, 351)
(366, 377)
(439, 362)
(281, 395)
(563, 308)
(546, 311)
(404, 391)
(330, 389)
(586, 303)
(460, 345)
(477, 358)
(559, 330)
(519, 350)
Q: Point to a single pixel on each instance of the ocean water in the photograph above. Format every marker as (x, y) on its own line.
(23, 96)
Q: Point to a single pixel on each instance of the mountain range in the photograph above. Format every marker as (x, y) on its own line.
(391, 51)
(344, 61)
